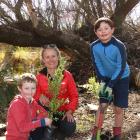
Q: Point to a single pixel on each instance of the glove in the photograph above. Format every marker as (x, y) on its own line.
(105, 92)
(108, 90)
(101, 88)
(108, 93)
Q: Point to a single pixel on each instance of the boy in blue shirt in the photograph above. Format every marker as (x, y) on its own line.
(109, 60)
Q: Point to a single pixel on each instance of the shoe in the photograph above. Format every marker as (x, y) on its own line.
(94, 132)
(117, 137)
(93, 137)
(106, 135)
(48, 134)
(60, 136)
(57, 135)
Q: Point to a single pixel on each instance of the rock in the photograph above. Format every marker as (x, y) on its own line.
(2, 126)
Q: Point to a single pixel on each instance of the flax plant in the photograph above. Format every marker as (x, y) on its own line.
(54, 85)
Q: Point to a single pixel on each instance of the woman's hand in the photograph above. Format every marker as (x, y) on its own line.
(69, 116)
(44, 100)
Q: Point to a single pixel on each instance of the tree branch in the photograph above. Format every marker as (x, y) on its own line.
(118, 17)
(6, 18)
(32, 13)
(99, 8)
(17, 37)
(18, 10)
(54, 15)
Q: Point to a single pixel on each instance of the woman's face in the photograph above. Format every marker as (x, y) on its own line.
(50, 58)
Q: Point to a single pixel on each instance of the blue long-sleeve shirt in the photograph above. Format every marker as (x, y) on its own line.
(109, 60)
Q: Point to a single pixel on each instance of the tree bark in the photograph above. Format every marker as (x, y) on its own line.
(121, 11)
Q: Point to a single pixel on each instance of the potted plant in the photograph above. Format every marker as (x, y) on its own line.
(54, 85)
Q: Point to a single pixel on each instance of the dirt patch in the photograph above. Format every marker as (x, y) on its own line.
(85, 118)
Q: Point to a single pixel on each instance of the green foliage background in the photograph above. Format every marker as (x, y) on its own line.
(7, 89)
(24, 60)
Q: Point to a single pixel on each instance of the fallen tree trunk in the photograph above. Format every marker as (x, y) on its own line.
(135, 77)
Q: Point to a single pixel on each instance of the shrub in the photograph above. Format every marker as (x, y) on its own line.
(8, 88)
(92, 86)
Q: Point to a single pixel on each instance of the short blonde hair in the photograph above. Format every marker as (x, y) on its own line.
(26, 77)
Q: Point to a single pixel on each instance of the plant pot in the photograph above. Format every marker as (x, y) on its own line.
(48, 133)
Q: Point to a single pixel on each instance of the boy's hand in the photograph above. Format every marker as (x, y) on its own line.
(48, 121)
(44, 100)
(105, 92)
(101, 88)
(108, 93)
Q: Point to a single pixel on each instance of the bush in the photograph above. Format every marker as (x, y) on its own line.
(7, 92)
(92, 86)
(8, 89)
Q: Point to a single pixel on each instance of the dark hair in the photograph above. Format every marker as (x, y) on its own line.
(50, 46)
(103, 19)
(26, 77)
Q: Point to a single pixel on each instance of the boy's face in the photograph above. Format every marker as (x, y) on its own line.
(28, 90)
(104, 32)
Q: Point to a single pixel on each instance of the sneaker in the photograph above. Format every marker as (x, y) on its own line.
(93, 137)
(60, 136)
(48, 134)
(94, 131)
(117, 137)
(106, 136)
(57, 135)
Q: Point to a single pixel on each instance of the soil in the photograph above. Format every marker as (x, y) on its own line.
(85, 116)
